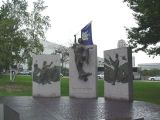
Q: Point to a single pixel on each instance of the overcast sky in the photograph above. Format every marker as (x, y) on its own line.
(109, 19)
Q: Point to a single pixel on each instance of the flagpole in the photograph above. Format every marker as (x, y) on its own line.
(75, 40)
(75, 37)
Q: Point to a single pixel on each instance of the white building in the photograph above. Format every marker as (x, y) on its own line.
(49, 47)
(149, 66)
(122, 43)
(100, 62)
(133, 61)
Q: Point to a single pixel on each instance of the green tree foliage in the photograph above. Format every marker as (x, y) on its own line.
(153, 72)
(21, 31)
(36, 27)
(146, 36)
(12, 39)
(64, 53)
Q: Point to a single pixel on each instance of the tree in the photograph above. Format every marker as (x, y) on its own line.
(21, 31)
(36, 27)
(152, 72)
(12, 38)
(146, 36)
(64, 53)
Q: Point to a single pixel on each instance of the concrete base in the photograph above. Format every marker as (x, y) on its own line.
(6, 113)
(77, 87)
(48, 90)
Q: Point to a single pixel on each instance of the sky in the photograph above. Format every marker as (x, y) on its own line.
(109, 19)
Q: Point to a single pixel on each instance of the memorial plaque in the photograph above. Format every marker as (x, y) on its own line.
(83, 71)
(118, 74)
(46, 75)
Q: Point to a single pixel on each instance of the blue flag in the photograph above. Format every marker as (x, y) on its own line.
(86, 34)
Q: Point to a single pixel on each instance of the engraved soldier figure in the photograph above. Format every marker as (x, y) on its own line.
(44, 75)
(81, 57)
(115, 65)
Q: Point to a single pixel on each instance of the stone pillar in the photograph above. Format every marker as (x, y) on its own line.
(118, 74)
(46, 76)
(6, 113)
(83, 82)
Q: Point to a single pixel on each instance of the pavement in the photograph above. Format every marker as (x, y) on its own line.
(66, 108)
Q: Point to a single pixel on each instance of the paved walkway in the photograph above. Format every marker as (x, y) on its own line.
(65, 108)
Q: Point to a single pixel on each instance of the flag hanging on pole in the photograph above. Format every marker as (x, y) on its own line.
(86, 34)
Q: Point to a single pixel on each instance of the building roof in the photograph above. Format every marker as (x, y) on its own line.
(49, 47)
(149, 66)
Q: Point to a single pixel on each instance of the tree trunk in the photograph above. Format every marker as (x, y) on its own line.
(10, 71)
(14, 76)
(62, 68)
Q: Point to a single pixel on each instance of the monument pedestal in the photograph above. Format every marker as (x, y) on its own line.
(46, 76)
(118, 74)
(6, 113)
(87, 87)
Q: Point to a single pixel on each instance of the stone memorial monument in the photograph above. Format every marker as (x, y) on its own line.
(118, 74)
(6, 113)
(83, 70)
(46, 75)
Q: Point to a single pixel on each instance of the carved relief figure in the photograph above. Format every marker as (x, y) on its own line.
(44, 75)
(114, 71)
(115, 65)
(81, 57)
(47, 74)
(36, 72)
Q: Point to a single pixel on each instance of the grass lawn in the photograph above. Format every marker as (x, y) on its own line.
(147, 91)
(143, 91)
(21, 87)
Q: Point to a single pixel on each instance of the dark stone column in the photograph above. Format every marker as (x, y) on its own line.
(6, 113)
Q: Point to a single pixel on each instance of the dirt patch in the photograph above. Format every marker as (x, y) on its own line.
(14, 88)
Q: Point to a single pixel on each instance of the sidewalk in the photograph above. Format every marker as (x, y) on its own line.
(65, 108)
